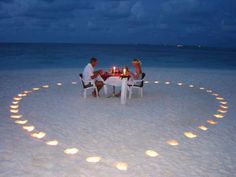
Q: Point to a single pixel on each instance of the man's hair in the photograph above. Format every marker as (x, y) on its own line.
(93, 59)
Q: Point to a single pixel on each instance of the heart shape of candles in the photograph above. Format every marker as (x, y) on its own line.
(15, 114)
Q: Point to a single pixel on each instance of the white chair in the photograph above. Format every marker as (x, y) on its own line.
(104, 86)
(137, 84)
(90, 85)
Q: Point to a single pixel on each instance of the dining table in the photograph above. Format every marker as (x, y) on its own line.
(118, 80)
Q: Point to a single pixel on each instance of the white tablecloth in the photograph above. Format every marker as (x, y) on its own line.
(114, 81)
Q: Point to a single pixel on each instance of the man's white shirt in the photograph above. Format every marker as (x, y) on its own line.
(87, 73)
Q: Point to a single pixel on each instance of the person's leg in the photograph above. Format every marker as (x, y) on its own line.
(99, 85)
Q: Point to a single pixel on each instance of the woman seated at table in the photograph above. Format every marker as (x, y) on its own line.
(137, 75)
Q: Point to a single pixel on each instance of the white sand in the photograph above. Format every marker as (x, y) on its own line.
(118, 133)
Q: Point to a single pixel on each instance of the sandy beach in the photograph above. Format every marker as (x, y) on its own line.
(183, 126)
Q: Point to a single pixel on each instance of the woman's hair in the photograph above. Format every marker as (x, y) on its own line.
(137, 61)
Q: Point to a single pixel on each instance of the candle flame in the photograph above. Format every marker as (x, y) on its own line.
(14, 110)
(93, 159)
(74, 82)
(156, 82)
(224, 107)
(220, 98)
(28, 128)
(191, 86)
(45, 86)
(121, 166)
(15, 102)
(52, 143)
(218, 116)
(59, 84)
(14, 106)
(17, 98)
(215, 94)
(190, 135)
(209, 91)
(212, 122)
(18, 116)
(38, 135)
(71, 151)
(202, 88)
(222, 111)
(167, 83)
(21, 122)
(179, 83)
(146, 82)
(151, 153)
(202, 127)
(223, 102)
(172, 142)
(35, 89)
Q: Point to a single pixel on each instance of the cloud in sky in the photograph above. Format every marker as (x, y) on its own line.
(119, 21)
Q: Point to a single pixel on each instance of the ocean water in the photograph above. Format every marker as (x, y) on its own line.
(37, 56)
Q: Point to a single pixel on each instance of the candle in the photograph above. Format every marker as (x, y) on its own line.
(124, 71)
(114, 70)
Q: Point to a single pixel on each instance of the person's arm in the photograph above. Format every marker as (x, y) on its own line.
(95, 74)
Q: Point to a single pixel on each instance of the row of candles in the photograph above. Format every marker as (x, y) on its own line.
(116, 70)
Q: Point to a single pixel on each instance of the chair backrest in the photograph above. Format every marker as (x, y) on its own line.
(142, 83)
(81, 78)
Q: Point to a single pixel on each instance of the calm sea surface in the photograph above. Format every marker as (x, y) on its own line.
(37, 56)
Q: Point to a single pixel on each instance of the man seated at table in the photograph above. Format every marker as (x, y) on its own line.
(90, 75)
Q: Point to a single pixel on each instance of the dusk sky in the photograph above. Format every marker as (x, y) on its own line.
(198, 22)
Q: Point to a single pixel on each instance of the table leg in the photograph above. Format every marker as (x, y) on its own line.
(123, 91)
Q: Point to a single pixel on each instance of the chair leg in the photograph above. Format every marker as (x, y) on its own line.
(96, 90)
(85, 95)
(141, 92)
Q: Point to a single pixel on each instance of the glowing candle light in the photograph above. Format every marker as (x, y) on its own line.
(124, 71)
(28, 128)
(202, 88)
(190, 135)
(218, 116)
(71, 151)
(20, 95)
(45, 86)
(146, 82)
(215, 94)
(156, 82)
(167, 83)
(94, 159)
(17, 98)
(14, 110)
(14, 106)
(224, 107)
(209, 91)
(15, 102)
(38, 135)
(172, 142)
(191, 86)
(223, 102)
(151, 153)
(202, 127)
(222, 111)
(52, 143)
(121, 166)
(23, 94)
(219, 98)
(35, 89)
(180, 84)
(114, 70)
(74, 82)
(59, 84)
(21, 122)
(16, 116)
(212, 122)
